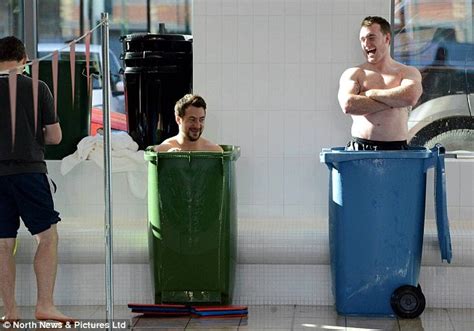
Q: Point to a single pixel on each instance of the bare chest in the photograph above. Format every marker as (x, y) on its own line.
(375, 80)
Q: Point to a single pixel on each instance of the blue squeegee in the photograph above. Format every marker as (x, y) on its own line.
(219, 311)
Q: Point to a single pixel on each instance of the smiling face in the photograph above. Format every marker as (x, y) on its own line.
(191, 124)
(375, 44)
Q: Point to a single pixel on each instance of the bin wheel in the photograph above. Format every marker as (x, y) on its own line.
(408, 301)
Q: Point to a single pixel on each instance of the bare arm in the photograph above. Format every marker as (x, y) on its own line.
(52, 134)
(350, 99)
(405, 95)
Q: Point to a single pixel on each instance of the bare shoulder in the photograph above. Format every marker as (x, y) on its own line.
(350, 82)
(210, 146)
(352, 73)
(166, 145)
(408, 71)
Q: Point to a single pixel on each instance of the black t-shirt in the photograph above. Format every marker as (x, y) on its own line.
(28, 153)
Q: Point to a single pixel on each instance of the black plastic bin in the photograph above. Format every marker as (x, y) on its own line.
(158, 72)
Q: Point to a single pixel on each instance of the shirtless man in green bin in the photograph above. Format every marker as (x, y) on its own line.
(190, 114)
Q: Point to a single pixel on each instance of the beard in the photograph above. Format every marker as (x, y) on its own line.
(194, 135)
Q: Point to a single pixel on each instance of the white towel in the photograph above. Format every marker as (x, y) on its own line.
(125, 158)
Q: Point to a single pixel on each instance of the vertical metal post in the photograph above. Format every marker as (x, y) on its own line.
(392, 24)
(81, 17)
(187, 17)
(109, 279)
(148, 16)
(30, 32)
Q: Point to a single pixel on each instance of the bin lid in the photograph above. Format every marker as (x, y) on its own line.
(156, 42)
(339, 154)
(442, 221)
(154, 36)
(230, 152)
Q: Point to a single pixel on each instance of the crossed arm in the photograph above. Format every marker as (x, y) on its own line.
(355, 102)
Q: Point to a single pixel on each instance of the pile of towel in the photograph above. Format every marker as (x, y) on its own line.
(124, 154)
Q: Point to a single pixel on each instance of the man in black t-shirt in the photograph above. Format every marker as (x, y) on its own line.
(24, 187)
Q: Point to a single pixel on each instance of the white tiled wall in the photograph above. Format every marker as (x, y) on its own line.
(269, 70)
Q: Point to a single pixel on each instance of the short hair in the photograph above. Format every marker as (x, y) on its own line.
(384, 25)
(12, 49)
(186, 101)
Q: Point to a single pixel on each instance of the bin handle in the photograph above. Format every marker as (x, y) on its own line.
(230, 153)
(150, 154)
(442, 220)
(221, 210)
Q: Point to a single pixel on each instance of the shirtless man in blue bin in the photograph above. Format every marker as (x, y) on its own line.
(379, 93)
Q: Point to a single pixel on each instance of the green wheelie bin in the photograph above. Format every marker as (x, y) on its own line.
(73, 117)
(192, 225)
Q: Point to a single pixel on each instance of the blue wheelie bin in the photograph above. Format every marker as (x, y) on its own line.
(376, 223)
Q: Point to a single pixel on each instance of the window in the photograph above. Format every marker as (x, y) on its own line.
(11, 18)
(437, 37)
(134, 16)
(60, 21)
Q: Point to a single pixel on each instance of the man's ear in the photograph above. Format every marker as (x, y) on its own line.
(178, 119)
(23, 62)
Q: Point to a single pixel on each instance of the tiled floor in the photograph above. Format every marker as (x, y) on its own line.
(275, 318)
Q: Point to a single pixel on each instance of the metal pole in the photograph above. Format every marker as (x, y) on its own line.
(109, 279)
(81, 17)
(30, 33)
(187, 17)
(392, 24)
(148, 16)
